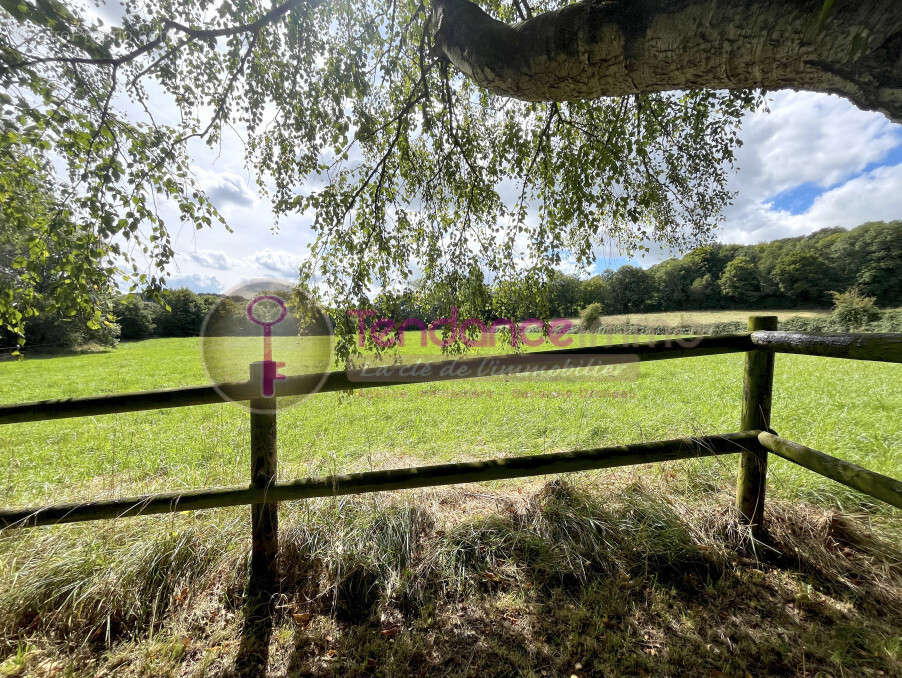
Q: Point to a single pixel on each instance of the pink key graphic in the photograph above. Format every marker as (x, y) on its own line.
(270, 371)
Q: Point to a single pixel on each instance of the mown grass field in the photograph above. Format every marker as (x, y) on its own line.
(684, 318)
(637, 571)
(845, 408)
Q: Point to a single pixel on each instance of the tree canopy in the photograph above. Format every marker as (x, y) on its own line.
(370, 116)
(50, 263)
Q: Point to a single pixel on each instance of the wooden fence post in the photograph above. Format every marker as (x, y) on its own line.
(757, 389)
(263, 575)
(264, 517)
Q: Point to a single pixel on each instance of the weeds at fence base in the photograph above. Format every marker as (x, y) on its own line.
(639, 578)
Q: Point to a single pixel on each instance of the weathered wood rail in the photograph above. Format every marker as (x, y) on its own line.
(663, 349)
(391, 479)
(753, 442)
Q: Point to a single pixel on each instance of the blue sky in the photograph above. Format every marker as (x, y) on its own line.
(800, 198)
(813, 161)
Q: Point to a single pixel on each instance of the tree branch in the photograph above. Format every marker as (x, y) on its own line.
(541, 143)
(597, 48)
(168, 26)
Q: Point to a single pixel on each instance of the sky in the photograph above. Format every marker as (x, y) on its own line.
(811, 162)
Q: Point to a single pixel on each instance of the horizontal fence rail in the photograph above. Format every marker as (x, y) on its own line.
(873, 484)
(662, 349)
(881, 347)
(393, 479)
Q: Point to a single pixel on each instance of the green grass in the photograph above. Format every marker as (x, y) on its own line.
(637, 571)
(635, 578)
(846, 408)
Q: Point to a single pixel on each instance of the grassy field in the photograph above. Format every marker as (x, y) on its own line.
(683, 318)
(637, 571)
(842, 407)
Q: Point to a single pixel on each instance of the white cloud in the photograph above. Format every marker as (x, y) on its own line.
(225, 188)
(809, 137)
(815, 139)
(873, 196)
(268, 261)
(195, 283)
(278, 261)
(213, 259)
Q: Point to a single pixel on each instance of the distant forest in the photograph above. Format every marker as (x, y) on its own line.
(788, 273)
(783, 274)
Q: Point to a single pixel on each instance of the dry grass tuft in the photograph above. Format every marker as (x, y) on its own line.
(567, 579)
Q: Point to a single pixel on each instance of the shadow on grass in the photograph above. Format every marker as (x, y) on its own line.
(252, 657)
(638, 586)
(45, 353)
(570, 580)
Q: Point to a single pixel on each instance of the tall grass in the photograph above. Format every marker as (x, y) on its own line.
(92, 585)
(359, 572)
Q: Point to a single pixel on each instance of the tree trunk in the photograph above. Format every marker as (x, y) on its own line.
(614, 47)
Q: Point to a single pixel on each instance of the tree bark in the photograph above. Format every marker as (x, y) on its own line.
(600, 48)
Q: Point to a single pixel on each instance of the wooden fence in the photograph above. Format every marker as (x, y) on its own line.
(753, 442)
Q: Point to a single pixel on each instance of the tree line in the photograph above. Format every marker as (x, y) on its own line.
(786, 273)
(183, 314)
(172, 313)
(798, 272)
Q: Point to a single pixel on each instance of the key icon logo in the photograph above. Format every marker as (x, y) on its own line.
(268, 310)
(296, 332)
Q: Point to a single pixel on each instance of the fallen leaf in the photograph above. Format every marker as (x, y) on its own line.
(302, 618)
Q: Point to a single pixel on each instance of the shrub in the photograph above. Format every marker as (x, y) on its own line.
(852, 310)
(816, 325)
(51, 331)
(134, 316)
(106, 335)
(591, 315)
(890, 321)
(721, 328)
